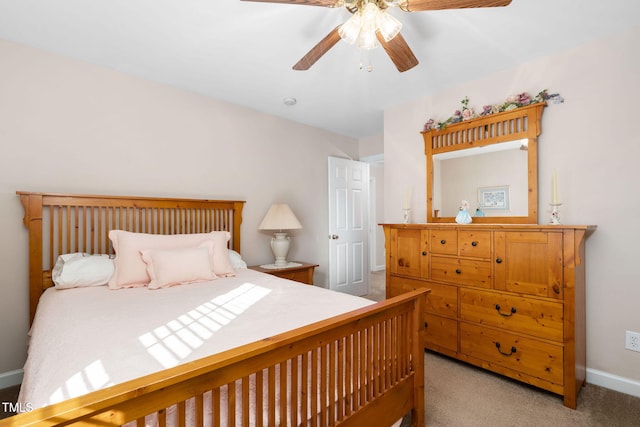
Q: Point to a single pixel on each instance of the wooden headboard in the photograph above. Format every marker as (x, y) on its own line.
(65, 223)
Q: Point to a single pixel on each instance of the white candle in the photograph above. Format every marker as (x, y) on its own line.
(554, 198)
(406, 199)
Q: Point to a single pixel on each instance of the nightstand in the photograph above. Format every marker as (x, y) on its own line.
(301, 273)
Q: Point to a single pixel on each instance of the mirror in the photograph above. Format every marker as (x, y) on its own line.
(489, 161)
(492, 178)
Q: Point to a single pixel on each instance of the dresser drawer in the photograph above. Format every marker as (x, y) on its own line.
(442, 300)
(475, 244)
(440, 333)
(461, 271)
(444, 242)
(523, 315)
(527, 355)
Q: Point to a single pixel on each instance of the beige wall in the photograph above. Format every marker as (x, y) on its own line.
(372, 152)
(371, 145)
(67, 126)
(592, 142)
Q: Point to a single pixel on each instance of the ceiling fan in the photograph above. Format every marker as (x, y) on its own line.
(370, 24)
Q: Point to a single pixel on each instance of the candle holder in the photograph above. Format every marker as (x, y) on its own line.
(406, 216)
(555, 213)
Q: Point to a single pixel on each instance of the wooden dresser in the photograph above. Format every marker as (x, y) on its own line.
(507, 298)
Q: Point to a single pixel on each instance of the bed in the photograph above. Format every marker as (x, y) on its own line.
(293, 355)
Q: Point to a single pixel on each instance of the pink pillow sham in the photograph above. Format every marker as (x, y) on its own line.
(221, 260)
(178, 266)
(130, 268)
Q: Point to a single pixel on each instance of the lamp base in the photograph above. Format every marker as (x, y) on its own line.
(280, 246)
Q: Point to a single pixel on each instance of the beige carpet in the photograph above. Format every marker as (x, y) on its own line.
(460, 395)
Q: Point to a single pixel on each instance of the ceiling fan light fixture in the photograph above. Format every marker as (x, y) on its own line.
(388, 25)
(368, 27)
(368, 40)
(362, 26)
(370, 14)
(350, 30)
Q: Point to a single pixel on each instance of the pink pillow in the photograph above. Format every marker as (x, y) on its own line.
(130, 268)
(178, 266)
(221, 260)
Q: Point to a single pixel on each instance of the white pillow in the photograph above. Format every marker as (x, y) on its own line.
(78, 269)
(236, 260)
(177, 266)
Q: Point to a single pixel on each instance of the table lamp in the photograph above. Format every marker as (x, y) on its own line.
(280, 217)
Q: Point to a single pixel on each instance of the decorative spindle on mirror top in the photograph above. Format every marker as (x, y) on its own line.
(492, 161)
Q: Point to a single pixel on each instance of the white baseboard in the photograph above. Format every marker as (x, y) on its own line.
(613, 382)
(11, 378)
(379, 268)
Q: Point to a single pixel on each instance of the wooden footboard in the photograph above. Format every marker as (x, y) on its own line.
(365, 367)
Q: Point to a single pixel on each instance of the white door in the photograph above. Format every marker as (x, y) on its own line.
(348, 226)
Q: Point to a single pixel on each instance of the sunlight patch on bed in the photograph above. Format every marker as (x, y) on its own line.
(92, 377)
(175, 340)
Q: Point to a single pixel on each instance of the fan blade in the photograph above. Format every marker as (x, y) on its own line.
(399, 52)
(325, 3)
(419, 5)
(318, 50)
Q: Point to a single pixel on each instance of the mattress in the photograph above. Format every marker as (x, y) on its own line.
(86, 339)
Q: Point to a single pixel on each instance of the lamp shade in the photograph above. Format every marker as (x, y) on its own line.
(388, 25)
(349, 30)
(279, 217)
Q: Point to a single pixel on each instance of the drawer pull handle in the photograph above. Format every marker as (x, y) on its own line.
(513, 311)
(424, 253)
(442, 242)
(426, 325)
(458, 271)
(513, 350)
(498, 260)
(474, 243)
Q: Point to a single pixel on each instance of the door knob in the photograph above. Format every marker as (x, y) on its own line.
(334, 237)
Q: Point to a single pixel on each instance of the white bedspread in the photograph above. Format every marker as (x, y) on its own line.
(86, 339)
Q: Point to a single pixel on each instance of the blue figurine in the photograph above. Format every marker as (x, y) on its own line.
(463, 217)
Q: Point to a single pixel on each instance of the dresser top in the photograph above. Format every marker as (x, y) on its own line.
(528, 227)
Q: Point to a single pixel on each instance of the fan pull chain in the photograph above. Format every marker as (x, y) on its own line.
(365, 56)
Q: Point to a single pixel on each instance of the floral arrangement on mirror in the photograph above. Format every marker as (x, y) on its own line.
(511, 103)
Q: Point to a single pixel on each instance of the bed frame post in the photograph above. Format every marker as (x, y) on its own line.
(32, 204)
(237, 222)
(417, 342)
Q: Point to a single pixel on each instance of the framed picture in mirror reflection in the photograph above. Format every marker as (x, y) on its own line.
(494, 198)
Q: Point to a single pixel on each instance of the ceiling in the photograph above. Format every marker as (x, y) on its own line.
(242, 52)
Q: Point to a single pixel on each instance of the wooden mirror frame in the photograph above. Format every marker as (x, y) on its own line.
(520, 123)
